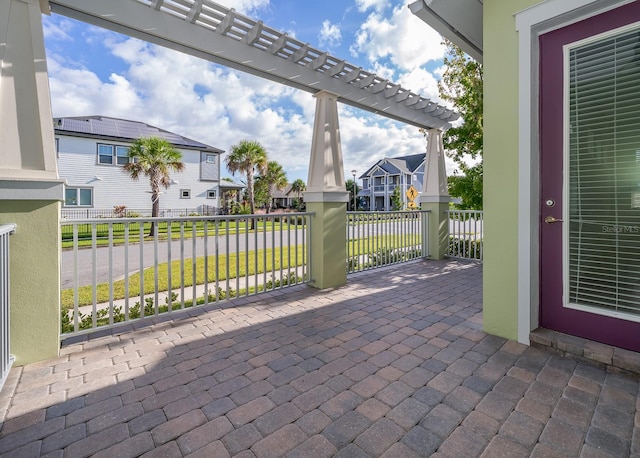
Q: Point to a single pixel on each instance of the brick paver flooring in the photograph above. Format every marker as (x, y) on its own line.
(393, 364)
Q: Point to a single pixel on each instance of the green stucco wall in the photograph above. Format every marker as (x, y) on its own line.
(438, 228)
(500, 269)
(328, 244)
(35, 280)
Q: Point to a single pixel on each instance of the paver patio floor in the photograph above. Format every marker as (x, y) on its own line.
(393, 364)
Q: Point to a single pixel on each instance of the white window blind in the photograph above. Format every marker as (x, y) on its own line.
(604, 173)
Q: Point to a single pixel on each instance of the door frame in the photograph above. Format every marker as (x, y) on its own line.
(530, 24)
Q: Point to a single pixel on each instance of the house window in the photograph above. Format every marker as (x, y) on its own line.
(211, 159)
(113, 154)
(122, 155)
(78, 197)
(185, 193)
(211, 194)
(57, 147)
(105, 154)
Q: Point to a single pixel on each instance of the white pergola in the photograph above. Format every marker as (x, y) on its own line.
(208, 30)
(216, 33)
(29, 180)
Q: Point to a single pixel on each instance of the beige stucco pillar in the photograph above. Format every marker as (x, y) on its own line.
(435, 195)
(30, 191)
(327, 197)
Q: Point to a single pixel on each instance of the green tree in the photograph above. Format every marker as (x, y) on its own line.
(396, 199)
(298, 187)
(247, 157)
(461, 85)
(261, 192)
(352, 188)
(275, 178)
(155, 158)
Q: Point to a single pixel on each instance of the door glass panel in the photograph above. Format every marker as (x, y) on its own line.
(603, 190)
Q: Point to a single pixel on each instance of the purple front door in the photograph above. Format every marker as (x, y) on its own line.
(590, 178)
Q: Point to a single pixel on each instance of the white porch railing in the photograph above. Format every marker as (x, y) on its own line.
(376, 239)
(6, 360)
(111, 275)
(465, 234)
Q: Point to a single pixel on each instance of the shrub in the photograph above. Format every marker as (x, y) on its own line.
(465, 248)
(352, 264)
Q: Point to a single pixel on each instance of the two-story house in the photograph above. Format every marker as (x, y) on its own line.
(380, 180)
(91, 151)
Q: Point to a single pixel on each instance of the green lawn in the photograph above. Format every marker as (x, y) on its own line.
(216, 268)
(369, 245)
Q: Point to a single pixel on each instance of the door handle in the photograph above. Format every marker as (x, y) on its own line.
(550, 220)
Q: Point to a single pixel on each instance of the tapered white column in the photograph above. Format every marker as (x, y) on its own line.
(435, 195)
(327, 196)
(326, 171)
(434, 183)
(30, 191)
(26, 124)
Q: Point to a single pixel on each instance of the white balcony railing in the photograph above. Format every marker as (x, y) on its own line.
(6, 360)
(465, 234)
(376, 239)
(111, 275)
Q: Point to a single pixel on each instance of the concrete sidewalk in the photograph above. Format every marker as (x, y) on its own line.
(393, 364)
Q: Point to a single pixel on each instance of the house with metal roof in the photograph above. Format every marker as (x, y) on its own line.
(91, 151)
(381, 179)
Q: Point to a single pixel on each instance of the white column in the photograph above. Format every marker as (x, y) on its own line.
(435, 195)
(30, 190)
(327, 197)
(434, 182)
(326, 170)
(26, 124)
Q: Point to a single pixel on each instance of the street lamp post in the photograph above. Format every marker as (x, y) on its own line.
(355, 189)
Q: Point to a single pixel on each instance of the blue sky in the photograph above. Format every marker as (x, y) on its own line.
(95, 71)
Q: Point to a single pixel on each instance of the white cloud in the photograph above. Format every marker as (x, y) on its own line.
(57, 30)
(330, 35)
(377, 5)
(402, 38)
(218, 106)
(245, 6)
(422, 81)
(384, 71)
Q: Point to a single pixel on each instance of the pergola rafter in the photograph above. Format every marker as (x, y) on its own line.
(211, 31)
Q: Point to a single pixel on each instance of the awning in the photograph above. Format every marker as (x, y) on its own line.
(459, 21)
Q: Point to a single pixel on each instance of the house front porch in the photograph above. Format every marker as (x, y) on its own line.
(392, 364)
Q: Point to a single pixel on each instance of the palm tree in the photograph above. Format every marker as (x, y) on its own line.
(276, 178)
(153, 157)
(247, 157)
(298, 187)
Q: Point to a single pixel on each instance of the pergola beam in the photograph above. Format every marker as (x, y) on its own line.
(213, 32)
